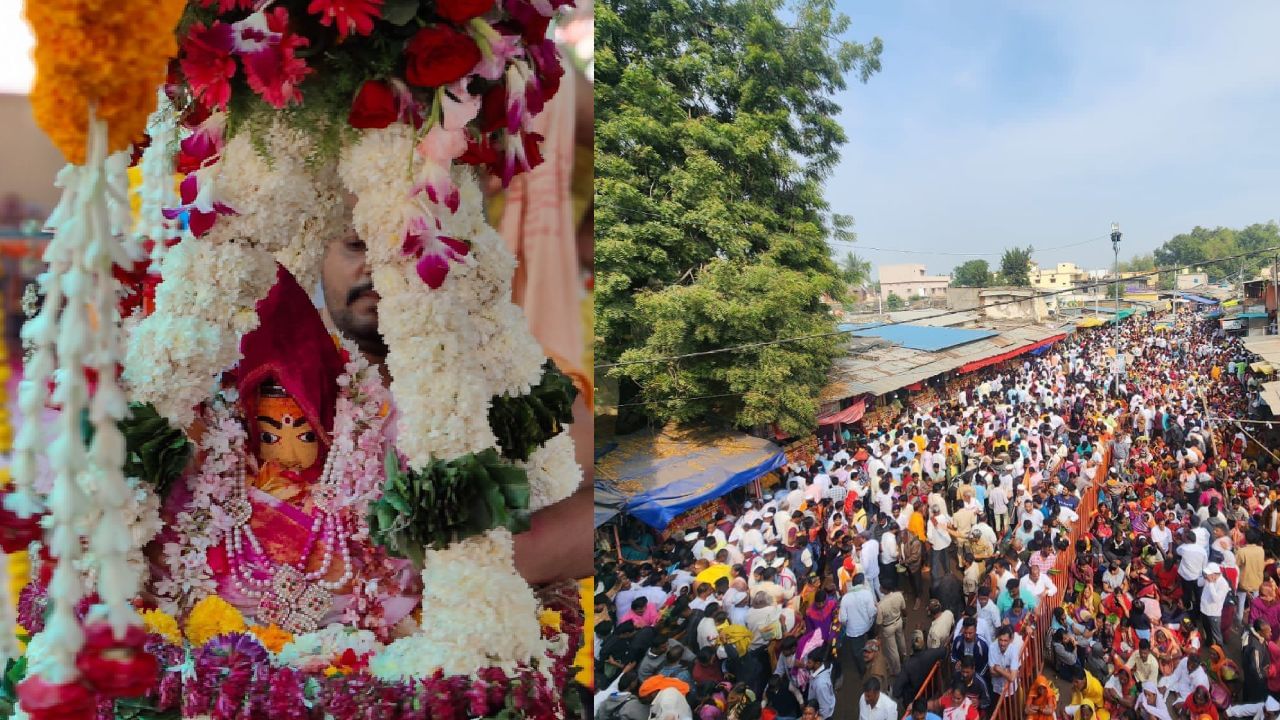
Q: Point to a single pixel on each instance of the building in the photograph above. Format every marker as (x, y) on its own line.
(1004, 303)
(909, 280)
(1061, 277)
(1187, 280)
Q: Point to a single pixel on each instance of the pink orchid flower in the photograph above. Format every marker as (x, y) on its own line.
(459, 107)
(206, 142)
(199, 200)
(439, 149)
(434, 251)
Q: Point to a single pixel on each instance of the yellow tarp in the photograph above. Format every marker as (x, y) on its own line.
(1262, 367)
(1090, 322)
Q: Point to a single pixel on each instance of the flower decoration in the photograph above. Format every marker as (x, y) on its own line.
(347, 16)
(212, 617)
(272, 637)
(158, 622)
(116, 667)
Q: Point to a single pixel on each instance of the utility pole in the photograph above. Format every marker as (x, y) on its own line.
(1115, 271)
(1275, 291)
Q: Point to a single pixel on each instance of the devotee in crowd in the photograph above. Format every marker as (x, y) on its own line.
(1125, 526)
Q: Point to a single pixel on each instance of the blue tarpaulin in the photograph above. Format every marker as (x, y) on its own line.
(1252, 316)
(919, 337)
(1198, 299)
(658, 476)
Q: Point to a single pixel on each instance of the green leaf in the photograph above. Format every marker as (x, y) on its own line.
(524, 423)
(399, 12)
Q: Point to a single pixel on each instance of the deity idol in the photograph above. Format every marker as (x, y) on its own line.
(286, 550)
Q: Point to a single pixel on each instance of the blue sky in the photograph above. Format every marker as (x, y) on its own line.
(1000, 123)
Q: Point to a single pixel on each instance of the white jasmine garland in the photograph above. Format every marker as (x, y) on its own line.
(553, 472)
(176, 355)
(495, 622)
(201, 525)
(321, 646)
(157, 192)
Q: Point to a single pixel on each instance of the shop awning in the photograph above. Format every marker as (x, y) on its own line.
(657, 476)
(1091, 322)
(985, 362)
(1198, 299)
(1252, 316)
(1271, 395)
(851, 414)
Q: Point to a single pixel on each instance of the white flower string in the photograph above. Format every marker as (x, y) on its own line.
(82, 243)
(157, 192)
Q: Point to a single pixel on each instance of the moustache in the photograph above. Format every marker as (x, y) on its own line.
(356, 292)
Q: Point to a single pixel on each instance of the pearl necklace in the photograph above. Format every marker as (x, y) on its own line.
(288, 595)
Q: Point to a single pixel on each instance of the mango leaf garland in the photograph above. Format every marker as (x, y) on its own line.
(525, 423)
(447, 501)
(157, 452)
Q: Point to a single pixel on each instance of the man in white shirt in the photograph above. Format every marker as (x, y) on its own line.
(869, 560)
(1192, 558)
(820, 689)
(938, 532)
(1004, 661)
(1188, 676)
(1161, 535)
(1268, 710)
(1212, 598)
(874, 704)
(1039, 584)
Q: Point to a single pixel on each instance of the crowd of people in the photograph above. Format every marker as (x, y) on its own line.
(955, 518)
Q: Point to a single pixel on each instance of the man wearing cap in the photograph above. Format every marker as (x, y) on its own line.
(1212, 598)
(1269, 709)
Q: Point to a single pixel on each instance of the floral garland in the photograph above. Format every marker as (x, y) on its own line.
(104, 57)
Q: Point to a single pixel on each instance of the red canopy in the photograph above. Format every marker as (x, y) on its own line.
(979, 364)
(851, 414)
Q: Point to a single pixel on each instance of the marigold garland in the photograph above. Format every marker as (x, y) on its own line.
(111, 55)
(212, 617)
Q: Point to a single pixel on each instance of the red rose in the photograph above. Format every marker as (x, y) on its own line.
(374, 106)
(116, 667)
(439, 55)
(460, 11)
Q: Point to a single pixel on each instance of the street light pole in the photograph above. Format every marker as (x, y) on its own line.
(1115, 269)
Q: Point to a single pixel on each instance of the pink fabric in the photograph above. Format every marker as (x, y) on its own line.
(537, 223)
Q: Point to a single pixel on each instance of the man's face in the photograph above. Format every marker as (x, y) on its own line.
(348, 292)
(873, 696)
(1005, 641)
(970, 633)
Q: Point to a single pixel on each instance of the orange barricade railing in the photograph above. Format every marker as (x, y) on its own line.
(1034, 643)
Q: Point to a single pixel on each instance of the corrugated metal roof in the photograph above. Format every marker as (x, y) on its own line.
(879, 368)
(919, 337)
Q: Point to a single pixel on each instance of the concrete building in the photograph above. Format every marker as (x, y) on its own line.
(909, 280)
(1187, 280)
(1061, 277)
(1004, 303)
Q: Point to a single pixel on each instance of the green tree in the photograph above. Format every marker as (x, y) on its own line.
(894, 302)
(854, 270)
(1015, 266)
(715, 129)
(1201, 244)
(972, 273)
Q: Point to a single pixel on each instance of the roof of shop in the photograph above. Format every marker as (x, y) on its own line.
(655, 476)
(919, 337)
(875, 366)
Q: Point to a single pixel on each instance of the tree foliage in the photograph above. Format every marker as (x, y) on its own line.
(854, 271)
(715, 128)
(972, 273)
(1015, 266)
(1201, 244)
(894, 302)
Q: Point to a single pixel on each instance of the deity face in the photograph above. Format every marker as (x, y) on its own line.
(285, 436)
